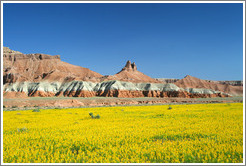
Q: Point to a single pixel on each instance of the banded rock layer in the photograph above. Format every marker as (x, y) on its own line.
(46, 76)
(108, 89)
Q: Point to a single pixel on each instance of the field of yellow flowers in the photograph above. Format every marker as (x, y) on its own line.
(131, 134)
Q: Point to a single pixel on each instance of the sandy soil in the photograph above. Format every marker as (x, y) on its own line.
(68, 102)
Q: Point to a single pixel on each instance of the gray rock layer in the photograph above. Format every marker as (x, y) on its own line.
(78, 86)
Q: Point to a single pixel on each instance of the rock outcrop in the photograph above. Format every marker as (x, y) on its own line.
(129, 66)
(233, 83)
(46, 76)
(18, 67)
(108, 89)
(193, 82)
(129, 73)
(167, 80)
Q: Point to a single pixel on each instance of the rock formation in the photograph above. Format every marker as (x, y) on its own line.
(129, 73)
(129, 66)
(233, 83)
(193, 82)
(167, 80)
(18, 67)
(46, 76)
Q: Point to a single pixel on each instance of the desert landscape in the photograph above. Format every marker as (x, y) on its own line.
(37, 86)
(119, 83)
(50, 107)
(28, 76)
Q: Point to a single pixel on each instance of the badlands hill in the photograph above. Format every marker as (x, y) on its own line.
(19, 67)
(45, 75)
(130, 74)
(193, 82)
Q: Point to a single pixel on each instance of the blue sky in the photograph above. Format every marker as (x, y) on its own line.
(164, 40)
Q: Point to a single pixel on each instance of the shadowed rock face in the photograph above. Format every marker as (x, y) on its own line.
(46, 76)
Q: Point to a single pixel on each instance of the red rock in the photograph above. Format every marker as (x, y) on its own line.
(193, 82)
(129, 73)
(39, 67)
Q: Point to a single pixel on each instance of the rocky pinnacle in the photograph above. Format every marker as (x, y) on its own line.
(130, 66)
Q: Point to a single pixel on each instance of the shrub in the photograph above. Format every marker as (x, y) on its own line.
(4, 106)
(75, 148)
(14, 106)
(22, 129)
(94, 117)
(97, 117)
(36, 110)
(91, 114)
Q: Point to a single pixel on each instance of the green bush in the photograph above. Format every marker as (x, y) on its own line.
(22, 129)
(97, 117)
(94, 117)
(4, 106)
(36, 110)
(14, 106)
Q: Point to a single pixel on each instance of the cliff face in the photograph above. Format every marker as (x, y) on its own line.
(45, 75)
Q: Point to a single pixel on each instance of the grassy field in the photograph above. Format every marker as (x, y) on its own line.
(141, 134)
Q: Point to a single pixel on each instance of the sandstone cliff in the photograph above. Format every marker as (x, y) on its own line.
(46, 76)
(18, 67)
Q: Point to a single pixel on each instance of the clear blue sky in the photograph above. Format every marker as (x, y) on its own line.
(164, 40)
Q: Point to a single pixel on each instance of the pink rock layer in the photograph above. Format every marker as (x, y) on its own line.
(113, 93)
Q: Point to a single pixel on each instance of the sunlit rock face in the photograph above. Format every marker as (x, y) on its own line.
(46, 76)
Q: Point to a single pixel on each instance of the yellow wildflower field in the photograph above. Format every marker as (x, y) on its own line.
(131, 134)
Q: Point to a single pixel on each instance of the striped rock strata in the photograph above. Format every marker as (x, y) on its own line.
(46, 76)
(108, 89)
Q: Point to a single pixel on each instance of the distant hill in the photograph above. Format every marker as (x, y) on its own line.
(193, 82)
(45, 75)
